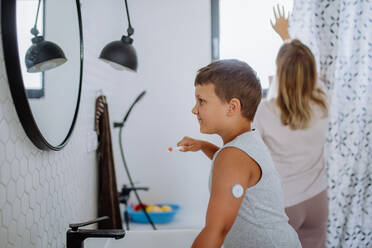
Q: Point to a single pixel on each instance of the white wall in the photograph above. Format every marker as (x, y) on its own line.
(172, 39)
(41, 192)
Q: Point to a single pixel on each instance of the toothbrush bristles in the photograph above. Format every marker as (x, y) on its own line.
(177, 148)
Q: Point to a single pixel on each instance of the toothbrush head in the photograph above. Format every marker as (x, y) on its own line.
(176, 148)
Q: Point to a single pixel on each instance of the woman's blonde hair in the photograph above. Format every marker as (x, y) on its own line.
(297, 77)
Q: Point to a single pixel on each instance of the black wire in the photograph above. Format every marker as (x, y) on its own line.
(131, 181)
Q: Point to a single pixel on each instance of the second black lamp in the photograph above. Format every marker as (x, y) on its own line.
(121, 54)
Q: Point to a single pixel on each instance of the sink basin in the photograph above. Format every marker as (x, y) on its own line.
(174, 238)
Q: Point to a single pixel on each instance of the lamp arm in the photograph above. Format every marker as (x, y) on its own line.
(34, 30)
(119, 124)
(130, 29)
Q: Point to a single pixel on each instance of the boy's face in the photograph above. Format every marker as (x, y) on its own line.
(209, 109)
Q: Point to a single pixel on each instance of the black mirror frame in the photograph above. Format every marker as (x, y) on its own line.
(15, 80)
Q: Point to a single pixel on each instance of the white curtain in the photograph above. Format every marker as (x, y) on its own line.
(340, 35)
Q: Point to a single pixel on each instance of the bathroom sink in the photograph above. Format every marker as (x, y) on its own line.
(175, 238)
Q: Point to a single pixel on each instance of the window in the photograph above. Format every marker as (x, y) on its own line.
(241, 29)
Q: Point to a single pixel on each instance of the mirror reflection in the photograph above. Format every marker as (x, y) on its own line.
(51, 50)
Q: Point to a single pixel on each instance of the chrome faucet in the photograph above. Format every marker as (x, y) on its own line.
(75, 237)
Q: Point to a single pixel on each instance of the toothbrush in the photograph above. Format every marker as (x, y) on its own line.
(176, 148)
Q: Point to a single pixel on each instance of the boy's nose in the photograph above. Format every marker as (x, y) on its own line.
(194, 110)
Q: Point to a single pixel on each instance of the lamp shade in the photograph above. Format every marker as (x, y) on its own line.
(120, 54)
(43, 55)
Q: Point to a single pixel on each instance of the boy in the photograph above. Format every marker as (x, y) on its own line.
(246, 200)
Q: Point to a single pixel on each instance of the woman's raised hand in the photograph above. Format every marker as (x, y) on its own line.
(281, 22)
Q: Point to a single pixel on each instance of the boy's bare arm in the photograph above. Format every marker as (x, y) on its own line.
(232, 166)
(190, 144)
(209, 149)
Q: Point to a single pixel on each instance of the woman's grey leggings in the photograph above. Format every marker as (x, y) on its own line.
(309, 218)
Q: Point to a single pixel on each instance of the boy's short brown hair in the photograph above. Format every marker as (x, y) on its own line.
(233, 79)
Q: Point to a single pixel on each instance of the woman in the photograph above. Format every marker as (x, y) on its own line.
(293, 125)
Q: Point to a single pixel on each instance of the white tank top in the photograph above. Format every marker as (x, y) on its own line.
(261, 220)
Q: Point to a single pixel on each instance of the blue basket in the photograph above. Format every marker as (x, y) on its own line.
(156, 217)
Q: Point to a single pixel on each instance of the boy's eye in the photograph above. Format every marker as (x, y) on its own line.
(201, 100)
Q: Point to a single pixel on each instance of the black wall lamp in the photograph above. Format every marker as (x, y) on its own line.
(121, 54)
(43, 55)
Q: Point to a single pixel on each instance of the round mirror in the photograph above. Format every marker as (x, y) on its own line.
(43, 53)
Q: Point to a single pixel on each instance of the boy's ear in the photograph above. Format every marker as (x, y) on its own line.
(234, 107)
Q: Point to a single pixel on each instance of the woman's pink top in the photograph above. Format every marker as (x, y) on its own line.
(298, 155)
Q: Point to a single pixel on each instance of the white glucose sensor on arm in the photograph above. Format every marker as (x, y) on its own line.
(237, 190)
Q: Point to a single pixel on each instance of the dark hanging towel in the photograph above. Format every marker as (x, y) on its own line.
(108, 201)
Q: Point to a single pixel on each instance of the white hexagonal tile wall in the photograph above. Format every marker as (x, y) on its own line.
(10, 151)
(11, 191)
(4, 133)
(14, 167)
(2, 153)
(3, 235)
(38, 190)
(6, 213)
(5, 174)
(2, 196)
(20, 186)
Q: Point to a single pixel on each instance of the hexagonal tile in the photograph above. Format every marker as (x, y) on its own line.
(23, 165)
(12, 232)
(21, 224)
(32, 196)
(5, 173)
(11, 191)
(2, 196)
(43, 208)
(6, 212)
(43, 178)
(4, 134)
(25, 203)
(26, 241)
(39, 195)
(4, 95)
(2, 153)
(19, 152)
(3, 235)
(18, 241)
(36, 239)
(31, 164)
(10, 151)
(16, 208)
(28, 183)
(20, 186)
(20, 131)
(51, 158)
(13, 129)
(35, 180)
(14, 167)
(29, 218)
(9, 111)
(37, 213)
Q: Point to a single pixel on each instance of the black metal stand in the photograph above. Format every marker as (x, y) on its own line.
(124, 197)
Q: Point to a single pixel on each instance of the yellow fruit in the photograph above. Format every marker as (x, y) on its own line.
(149, 208)
(166, 208)
(156, 209)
